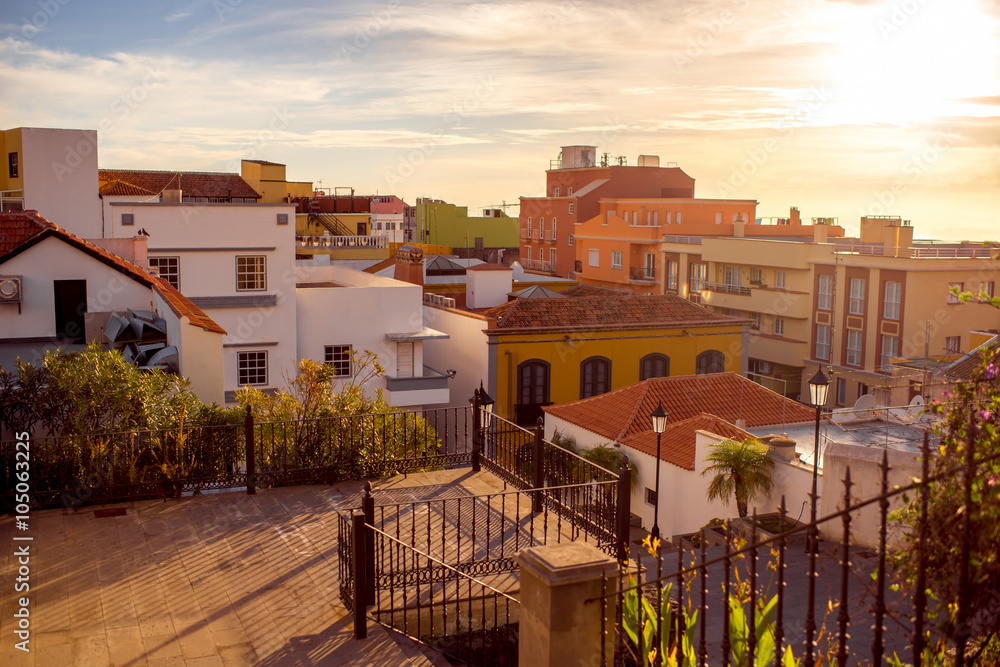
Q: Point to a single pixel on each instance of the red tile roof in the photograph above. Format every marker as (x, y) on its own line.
(606, 311)
(22, 222)
(626, 411)
(677, 444)
(965, 367)
(583, 289)
(17, 227)
(136, 182)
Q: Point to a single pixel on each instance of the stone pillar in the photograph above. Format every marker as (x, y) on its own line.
(557, 625)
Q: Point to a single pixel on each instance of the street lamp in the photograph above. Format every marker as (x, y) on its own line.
(819, 387)
(659, 425)
(480, 422)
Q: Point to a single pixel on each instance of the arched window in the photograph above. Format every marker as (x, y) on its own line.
(654, 365)
(710, 361)
(533, 382)
(595, 376)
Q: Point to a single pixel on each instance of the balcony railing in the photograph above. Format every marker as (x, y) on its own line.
(726, 289)
(922, 251)
(525, 233)
(11, 200)
(642, 273)
(671, 238)
(431, 379)
(536, 265)
(550, 235)
(342, 241)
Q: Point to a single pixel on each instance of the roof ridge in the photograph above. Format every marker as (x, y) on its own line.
(638, 406)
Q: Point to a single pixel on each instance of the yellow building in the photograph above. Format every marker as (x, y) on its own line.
(268, 178)
(849, 306)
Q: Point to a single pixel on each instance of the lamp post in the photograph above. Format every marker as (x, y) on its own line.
(487, 403)
(659, 425)
(480, 422)
(819, 386)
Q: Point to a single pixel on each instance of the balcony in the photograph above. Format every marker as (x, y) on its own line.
(550, 235)
(690, 240)
(726, 288)
(11, 200)
(919, 250)
(642, 273)
(431, 388)
(370, 242)
(537, 265)
(525, 233)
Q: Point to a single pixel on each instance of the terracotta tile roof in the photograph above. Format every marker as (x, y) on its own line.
(677, 445)
(626, 411)
(17, 227)
(24, 220)
(584, 289)
(965, 367)
(489, 266)
(136, 182)
(605, 311)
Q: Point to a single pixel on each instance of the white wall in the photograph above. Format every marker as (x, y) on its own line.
(207, 238)
(486, 289)
(466, 351)
(199, 353)
(51, 260)
(60, 178)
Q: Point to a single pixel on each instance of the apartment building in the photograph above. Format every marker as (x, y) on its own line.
(603, 223)
(850, 306)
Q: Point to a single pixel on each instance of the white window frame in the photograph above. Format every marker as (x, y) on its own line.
(824, 299)
(672, 266)
(552, 258)
(569, 240)
(699, 275)
(553, 229)
(856, 299)
(841, 391)
(893, 299)
(556, 192)
(649, 266)
(823, 335)
(779, 279)
(594, 257)
(755, 321)
(249, 366)
(756, 274)
(253, 278)
(853, 348)
(779, 326)
(336, 356)
(616, 259)
(167, 267)
(952, 298)
(570, 208)
(890, 350)
(951, 348)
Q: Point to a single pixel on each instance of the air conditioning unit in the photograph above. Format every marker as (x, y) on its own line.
(10, 289)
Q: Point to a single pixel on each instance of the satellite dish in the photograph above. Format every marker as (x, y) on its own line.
(866, 402)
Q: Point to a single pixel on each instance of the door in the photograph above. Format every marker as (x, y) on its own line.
(404, 360)
(71, 307)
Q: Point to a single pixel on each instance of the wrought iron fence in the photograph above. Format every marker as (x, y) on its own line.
(748, 603)
(131, 465)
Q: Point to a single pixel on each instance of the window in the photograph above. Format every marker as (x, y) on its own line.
(841, 391)
(128, 218)
(571, 208)
(731, 275)
(678, 217)
(339, 356)
(552, 257)
(953, 344)
(856, 301)
(890, 350)
(70, 300)
(952, 288)
(779, 279)
(853, 347)
(672, 274)
(169, 269)
(252, 368)
(250, 273)
(527, 253)
(650, 496)
(594, 257)
(732, 312)
(529, 228)
(649, 268)
(533, 382)
(756, 275)
(987, 289)
(823, 342)
(718, 217)
(557, 192)
(595, 376)
(779, 326)
(610, 215)
(755, 323)
(569, 192)
(825, 300)
(616, 259)
(569, 239)
(654, 366)
(709, 361)
(862, 389)
(12, 164)
(893, 296)
(553, 229)
(699, 273)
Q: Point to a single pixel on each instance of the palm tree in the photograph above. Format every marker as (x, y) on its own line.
(741, 469)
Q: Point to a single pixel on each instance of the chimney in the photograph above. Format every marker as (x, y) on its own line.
(171, 197)
(793, 216)
(487, 285)
(820, 233)
(139, 256)
(409, 265)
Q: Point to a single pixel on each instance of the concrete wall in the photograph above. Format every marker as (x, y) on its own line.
(199, 353)
(466, 352)
(59, 170)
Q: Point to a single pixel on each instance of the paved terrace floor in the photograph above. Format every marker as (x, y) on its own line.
(217, 579)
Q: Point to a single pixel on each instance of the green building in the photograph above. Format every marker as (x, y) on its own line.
(449, 225)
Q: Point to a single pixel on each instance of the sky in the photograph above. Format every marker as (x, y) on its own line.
(840, 107)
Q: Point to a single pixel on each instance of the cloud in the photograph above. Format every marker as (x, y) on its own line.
(172, 18)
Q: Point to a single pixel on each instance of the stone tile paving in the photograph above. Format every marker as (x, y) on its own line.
(218, 579)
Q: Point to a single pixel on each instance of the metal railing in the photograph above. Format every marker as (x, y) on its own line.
(754, 573)
(642, 273)
(377, 242)
(921, 251)
(536, 265)
(726, 288)
(673, 238)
